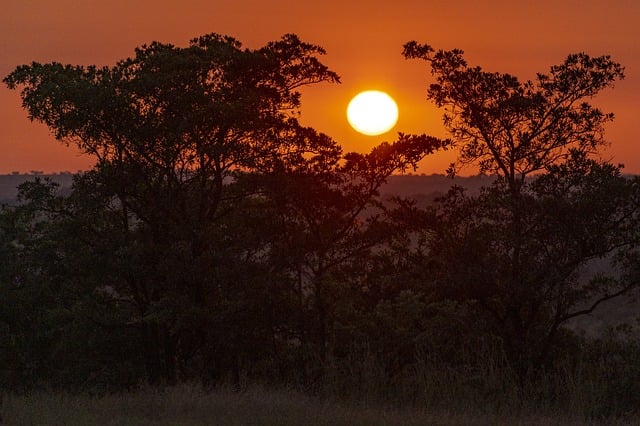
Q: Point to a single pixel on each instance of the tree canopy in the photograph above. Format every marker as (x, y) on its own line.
(513, 128)
(523, 248)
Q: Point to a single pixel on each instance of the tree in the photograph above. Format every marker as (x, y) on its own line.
(512, 128)
(521, 250)
(171, 129)
(576, 229)
(61, 321)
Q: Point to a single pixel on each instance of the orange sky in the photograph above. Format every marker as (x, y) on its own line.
(363, 40)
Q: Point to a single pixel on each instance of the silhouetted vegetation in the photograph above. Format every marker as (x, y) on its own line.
(218, 241)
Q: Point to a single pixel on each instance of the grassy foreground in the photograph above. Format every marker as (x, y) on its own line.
(190, 405)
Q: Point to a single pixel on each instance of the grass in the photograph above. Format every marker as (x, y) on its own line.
(598, 386)
(191, 405)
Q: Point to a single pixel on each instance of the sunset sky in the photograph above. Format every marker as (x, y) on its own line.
(363, 40)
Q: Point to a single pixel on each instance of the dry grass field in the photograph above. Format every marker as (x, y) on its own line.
(188, 405)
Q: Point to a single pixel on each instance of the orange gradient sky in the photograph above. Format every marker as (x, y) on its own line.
(363, 40)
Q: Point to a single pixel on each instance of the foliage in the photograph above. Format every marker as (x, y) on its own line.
(514, 128)
(53, 295)
(573, 233)
(523, 247)
(330, 222)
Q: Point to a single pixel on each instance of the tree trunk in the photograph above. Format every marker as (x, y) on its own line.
(170, 367)
(152, 353)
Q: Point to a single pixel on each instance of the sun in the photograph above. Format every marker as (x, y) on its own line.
(372, 112)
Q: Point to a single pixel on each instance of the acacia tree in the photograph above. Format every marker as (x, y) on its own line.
(170, 129)
(512, 128)
(520, 249)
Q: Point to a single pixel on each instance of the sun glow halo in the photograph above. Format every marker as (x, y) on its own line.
(372, 112)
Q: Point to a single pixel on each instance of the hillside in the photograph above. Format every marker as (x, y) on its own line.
(420, 187)
(425, 188)
(9, 183)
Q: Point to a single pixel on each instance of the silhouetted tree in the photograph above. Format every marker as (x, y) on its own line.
(576, 225)
(170, 129)
(512, 128)
(521, 248)
(63, 323)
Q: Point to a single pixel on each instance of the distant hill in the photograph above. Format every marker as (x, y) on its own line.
(423, 188)
(9, 183)
(426, 188)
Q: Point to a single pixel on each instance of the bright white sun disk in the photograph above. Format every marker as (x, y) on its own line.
(372, 112)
